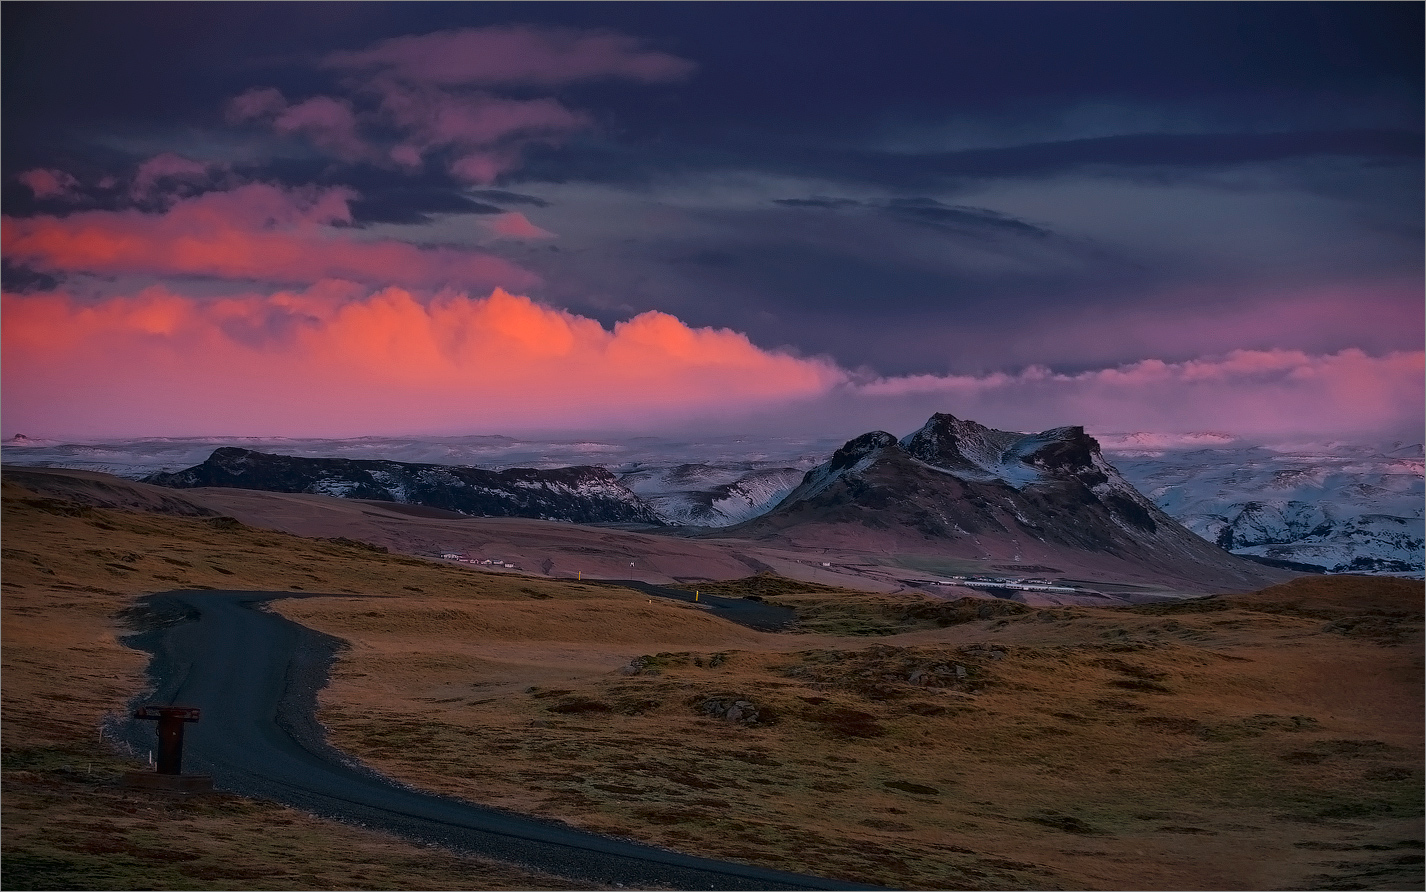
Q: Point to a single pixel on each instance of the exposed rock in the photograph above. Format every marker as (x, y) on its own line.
(732, 710)
(644, 665)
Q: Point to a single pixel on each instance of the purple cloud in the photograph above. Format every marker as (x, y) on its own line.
(433, 92)
(512, 56)
(49, 183)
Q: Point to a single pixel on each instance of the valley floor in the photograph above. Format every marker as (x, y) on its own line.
(1265, 743)
(1267, 740)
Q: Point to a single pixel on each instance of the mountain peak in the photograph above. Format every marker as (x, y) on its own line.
(976, 492)
(856, 449)
(956, 445)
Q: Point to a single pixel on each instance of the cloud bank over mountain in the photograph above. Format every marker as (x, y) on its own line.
(368, 223)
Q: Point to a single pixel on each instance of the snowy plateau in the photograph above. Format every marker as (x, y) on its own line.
(1339, 507)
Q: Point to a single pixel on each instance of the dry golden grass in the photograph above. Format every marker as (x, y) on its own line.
(1238, 747)
(68, 826)
(68, 572)
(1270, 740)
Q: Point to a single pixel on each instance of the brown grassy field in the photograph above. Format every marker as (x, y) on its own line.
(1271, 742)
(1264, 740)
(68, 571)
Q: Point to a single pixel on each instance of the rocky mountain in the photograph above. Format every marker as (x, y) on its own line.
(1332, 506)
(971, 491)
(579, 494)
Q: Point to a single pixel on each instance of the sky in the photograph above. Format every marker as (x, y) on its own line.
(333, 219)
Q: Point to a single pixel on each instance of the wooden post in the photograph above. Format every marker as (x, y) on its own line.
(170, 733)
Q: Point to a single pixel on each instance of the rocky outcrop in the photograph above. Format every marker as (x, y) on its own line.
(732, 709)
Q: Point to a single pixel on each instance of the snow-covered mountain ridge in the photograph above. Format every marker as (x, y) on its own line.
(584, 494)
(1346, 506)
(1335, 506)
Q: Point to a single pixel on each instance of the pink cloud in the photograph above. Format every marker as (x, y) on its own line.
(1378, 316)
(49, 183)
(406, 155)
(486, 131)
(330, 362)
(513, 55)
(515, 225)
(483, 167)
(169, 167)
(487, 120)
(255, 232)
(1246, 392)
(329, 123)
(431, 91)
(255, 104)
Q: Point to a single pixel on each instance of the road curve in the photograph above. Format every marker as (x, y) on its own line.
(255, 676)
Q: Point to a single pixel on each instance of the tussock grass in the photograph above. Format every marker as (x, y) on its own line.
(830, 610)
(70, 572)
(1224, 743)
(69, 826)
(1039, 748)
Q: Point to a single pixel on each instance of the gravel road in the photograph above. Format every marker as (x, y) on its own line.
(255, 675)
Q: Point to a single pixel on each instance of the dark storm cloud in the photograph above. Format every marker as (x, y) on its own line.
(1166, 153)
(1159, 150)
(889, 282)
(926, 212)
(413, 205)
(930, 191)
(959, 218)
(19, 278)
(816, 202)
(500, 196)
(917, 282)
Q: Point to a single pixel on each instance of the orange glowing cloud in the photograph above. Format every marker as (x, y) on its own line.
(328, 361)
(342, 359)
(255, 232)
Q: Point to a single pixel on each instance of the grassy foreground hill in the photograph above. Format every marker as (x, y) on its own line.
(1263, 740)
(69, 571)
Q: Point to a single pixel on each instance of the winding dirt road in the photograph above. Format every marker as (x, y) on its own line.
(255, 675)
